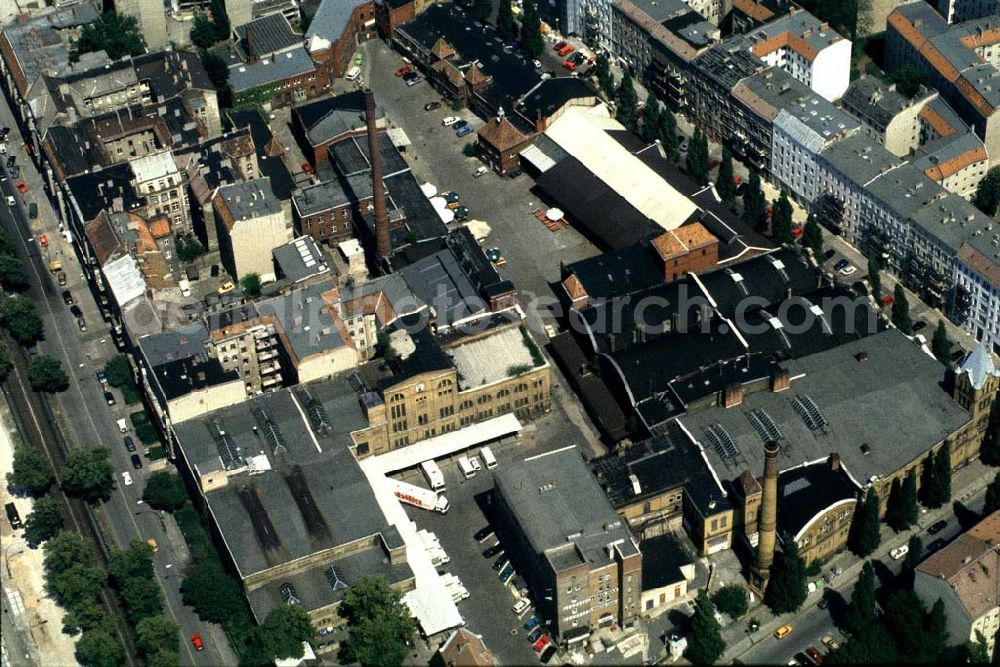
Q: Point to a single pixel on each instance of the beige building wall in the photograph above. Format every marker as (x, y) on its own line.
(902, 135)
(200, 401)
(331, 362)
(152, 18)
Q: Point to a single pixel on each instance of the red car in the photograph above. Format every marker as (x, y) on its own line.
(566, 50)
(21, 187)
(196, 642)
(815, 654)
(404, 70)
(542, 642)
(307, 168)
(43, 241)
(558, 45)
(569, 64)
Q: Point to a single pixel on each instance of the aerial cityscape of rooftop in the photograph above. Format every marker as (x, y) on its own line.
(499, 332)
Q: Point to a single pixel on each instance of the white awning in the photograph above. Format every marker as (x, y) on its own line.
(429, 190)
(445, 444)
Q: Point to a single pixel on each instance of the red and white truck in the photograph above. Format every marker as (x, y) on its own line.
(419, 497)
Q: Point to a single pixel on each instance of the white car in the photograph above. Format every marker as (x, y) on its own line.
(10, 201)
(520, 606)
(848, 270)
(127, 478)
(899, 552)
(448, 121)
(537, 64)
(550, 331)
(476, 465)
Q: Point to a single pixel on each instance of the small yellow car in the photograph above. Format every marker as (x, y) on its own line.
(226, 286)
(783, 632)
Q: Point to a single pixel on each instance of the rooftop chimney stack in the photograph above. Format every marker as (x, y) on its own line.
(767, 525)
(382, 244)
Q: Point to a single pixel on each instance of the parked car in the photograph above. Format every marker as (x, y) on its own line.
(542, 642)
(81, 324)
(829, 642)
(480, 171)
(413, 80)
(404, 70)
(127, 478)
(226, 286)
(899, 552)
(196, 642)
(537, 64)
(569, 64)
(464, 130)
(824, 603)
(75, 311)
(450, 197)
(500, 563)
(936, 545)
(815, 654)
(919, 325)
(461, 213)
(535, 634)
(547, 654)
(493, 551)
(13, 516)
(484, 534)
(495, 256)
(61, 278)
(15, 172)
(431, 106)
(937, 527)
(520, 606)
(783, 632)
(11, 201)
(11, 159)
(129, 444)
(110, 398)
(532, 622)
(136, 461)
(67, 297)
(513, 174)
(21, 187)
(448, 121)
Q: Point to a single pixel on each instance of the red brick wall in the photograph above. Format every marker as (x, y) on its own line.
(696, 261)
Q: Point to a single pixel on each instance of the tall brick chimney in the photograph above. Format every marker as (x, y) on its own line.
(382, 244)
(767, 525)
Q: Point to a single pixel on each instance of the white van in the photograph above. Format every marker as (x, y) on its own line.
(433, 475)
(466, 467)
(353, 73)
(122, 426)
(488, 458)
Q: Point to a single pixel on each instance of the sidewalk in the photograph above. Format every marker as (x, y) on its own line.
(972, 480)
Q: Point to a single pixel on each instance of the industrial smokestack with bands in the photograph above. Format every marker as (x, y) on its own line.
(382, 244)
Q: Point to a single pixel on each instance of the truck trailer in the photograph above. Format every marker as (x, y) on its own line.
(419, 497)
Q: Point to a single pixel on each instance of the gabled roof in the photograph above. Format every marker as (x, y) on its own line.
(501, 133)
(442, 49)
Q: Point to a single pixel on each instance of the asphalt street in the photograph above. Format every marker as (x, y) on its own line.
(86, 419)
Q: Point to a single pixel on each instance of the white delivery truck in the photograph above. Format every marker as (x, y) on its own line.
(433, 475)
(122, 426)
(353, 73)
(488, 458)
(419, 497)
(465, 465)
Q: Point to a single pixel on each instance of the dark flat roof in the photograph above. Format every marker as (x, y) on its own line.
(98, 190)
(627, 270)
(551, 95)
(806, 491)
(662, 559)
(282, 182)
(350, 156)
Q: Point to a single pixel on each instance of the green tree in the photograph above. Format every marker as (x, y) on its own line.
(135, 562)
(189, 248)
(164, 658)
(786, 589)
(45, 374)
(77, 585)
(506, 25)
(754, 204)
(99, 648)
(904, 619)
(651, 119)
(872, 646)
(117, 371)
(987, 197)
(251, 285)
(940, 345)
(976, 652)
(781, 219)
(942, 475)
(875, 278)
(220, 20)
(894, 507)
(202, 31)
(6, 363)
(212, 593)
(44, 522)
(725, 185)
(696, 161)
(864, 538)
(164, 491)
(482, 10)
(914, 554)
(531, 30)
(284, 630)
(706, 645)
(731, 599)
(604, 78)
(142, 598)
(116, 34)
(667, 134)
(12, 278)
(64, 551)
(84, 616)
(908, 80)
(910, 511)
(18, 316)
(901, 311)
(812, 237)
(627, 101)
(155, 634)
(989, 450)
(87, 474)
(379, 623)
(218, 72)
(31, 470)
(861, 609)
(992, 501)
